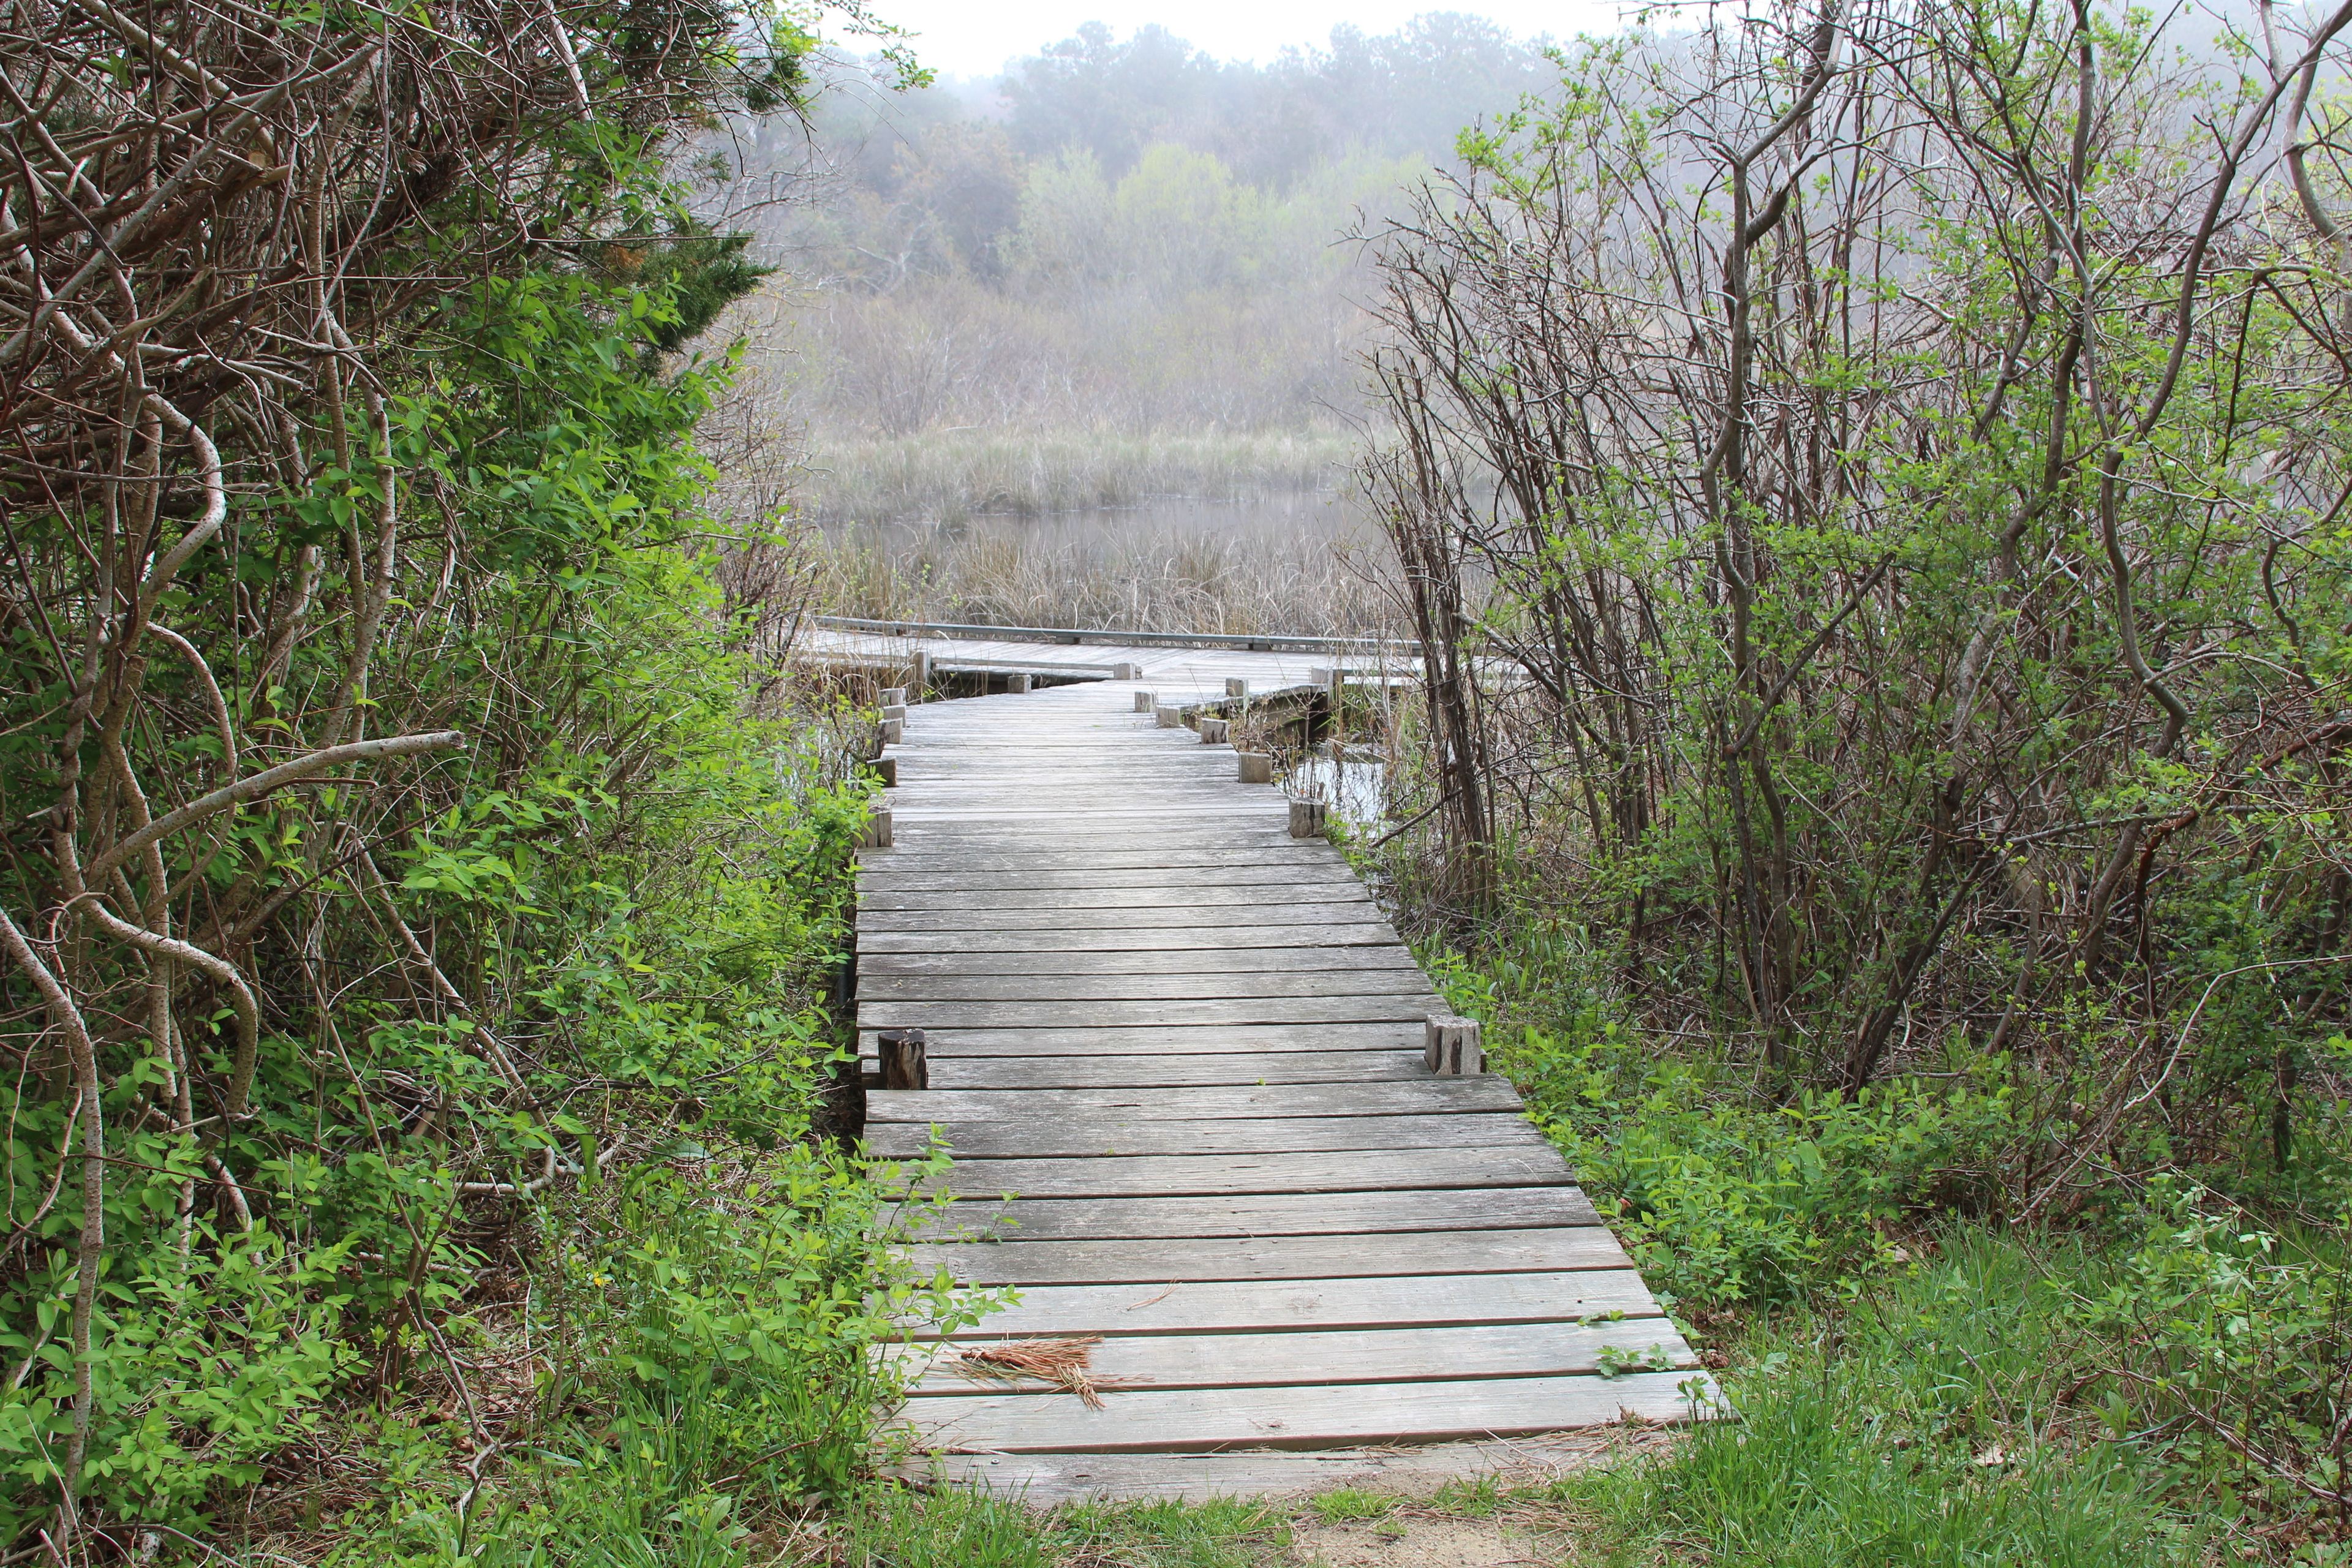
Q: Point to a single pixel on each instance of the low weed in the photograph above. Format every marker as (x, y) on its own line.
(1352, 1505)
(891, 1526)
(1222, 1533)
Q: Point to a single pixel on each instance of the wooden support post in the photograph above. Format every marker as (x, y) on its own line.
(922, 681)
(1451, 1048)
(1125, 672)
(1306, 819)
(893, 732)
(1213, 732)
(1236, 686)
(893, 697)
(1257, 767)
(903, 1065)
(1016, 683)
(877, 825)
(1169, 716)
(1144, 702)
(894, 711)
(886, 770)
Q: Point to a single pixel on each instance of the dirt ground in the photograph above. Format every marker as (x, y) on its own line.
(1405, 1543)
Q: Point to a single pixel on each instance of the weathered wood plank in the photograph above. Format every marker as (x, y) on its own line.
(1183, 1175)
(1143, 939)
(1425, 1096)
(1251, 1305)
(1171, 1040)
(1394, 1007)
(1258, 1214)
(1275, 1257)
(1202, 1072)
(1375, 1355)
(1008, 875)
(1197, 1420)
(973, 960)
(888, 987)
(1080, 922)
(991, 903)
(1054, 1137)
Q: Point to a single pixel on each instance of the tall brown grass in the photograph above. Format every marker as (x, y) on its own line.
(1243, 568)
(957, 475)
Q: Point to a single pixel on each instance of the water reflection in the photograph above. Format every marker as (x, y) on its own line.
(1358, 791)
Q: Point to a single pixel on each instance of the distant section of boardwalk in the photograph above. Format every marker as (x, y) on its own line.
(1190, 1045)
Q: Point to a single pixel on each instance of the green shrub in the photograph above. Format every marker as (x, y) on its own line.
(1724, 1196)
(2236, 1341)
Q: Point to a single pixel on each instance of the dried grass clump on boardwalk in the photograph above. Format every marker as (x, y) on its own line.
(1064, 1363)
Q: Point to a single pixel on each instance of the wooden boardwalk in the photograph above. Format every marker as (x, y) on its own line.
(1189, 1047)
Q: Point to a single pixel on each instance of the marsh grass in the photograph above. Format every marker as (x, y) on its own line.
(1275, 564)
(952, 476)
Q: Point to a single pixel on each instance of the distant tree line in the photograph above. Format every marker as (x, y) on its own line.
(1119, 232)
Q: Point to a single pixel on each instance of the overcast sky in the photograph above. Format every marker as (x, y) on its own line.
(960, 38)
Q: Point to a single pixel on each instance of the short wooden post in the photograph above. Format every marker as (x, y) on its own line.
(922, 681)
(877, 825)
(1451, 1048)
(893, 732)
(893, 697)
(1257, 767)
(903, 1065)
(1236, 686)
(1125, 672)
(894, 711)
(1016, 683)
(1144, 702)
(886, 770)
(1306, 819)
(1213, 732)
(1169, 716)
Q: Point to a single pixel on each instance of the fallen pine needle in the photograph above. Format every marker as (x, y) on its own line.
(1060, 1361)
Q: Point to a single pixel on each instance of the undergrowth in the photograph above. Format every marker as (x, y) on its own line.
(1913, 1370)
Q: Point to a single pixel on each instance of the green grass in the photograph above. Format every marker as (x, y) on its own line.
(1922, 1423)
(889, 1526)
(1353, 1505)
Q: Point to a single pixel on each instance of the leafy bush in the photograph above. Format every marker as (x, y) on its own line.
(1721, 1195)
(760, 1291)
(2238, 1341)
